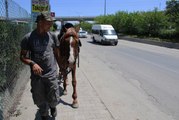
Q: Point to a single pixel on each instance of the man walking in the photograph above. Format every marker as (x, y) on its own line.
(39, 51)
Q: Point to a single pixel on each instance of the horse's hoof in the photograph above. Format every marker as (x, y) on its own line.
(65, 92)
(75, 105)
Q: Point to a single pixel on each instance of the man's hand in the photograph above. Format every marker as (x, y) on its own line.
(37, 69)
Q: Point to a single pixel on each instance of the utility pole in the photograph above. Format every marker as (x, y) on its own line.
(104, 7)
(6, 7)
(160, 6)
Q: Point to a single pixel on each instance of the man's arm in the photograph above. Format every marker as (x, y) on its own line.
(24, 58)
(35, 67)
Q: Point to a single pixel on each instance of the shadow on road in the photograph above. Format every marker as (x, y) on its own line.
(96, 43)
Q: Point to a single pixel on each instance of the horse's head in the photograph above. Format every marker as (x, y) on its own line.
(69, 46)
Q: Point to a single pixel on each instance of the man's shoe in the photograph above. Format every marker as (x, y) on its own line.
(53, 112)
(44, 117)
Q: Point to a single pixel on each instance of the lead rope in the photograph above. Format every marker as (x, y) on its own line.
(78, 59)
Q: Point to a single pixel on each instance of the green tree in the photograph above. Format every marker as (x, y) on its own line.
(86, 26)
(172, 11)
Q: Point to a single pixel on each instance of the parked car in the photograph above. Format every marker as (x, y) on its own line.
(82, 34)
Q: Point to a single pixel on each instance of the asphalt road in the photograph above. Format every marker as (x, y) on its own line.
(134, 81)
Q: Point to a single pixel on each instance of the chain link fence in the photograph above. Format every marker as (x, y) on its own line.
(10, 10)
(14, 24)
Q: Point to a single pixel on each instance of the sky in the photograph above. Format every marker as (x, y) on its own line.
(96, 7)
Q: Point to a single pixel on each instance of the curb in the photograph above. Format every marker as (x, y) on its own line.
(152, 42)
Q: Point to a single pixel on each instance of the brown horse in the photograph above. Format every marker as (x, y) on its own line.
(68, 53)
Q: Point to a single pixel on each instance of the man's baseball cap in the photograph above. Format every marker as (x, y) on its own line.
(45, 16)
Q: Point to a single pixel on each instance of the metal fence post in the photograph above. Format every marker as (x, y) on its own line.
(6, 7)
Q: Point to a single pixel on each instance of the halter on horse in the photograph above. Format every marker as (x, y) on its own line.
(68, 53)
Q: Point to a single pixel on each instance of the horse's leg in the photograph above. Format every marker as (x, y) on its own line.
(64, 83)
(67, 83)
(74, 82)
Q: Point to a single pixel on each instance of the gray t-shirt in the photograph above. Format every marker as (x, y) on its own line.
(41, 52)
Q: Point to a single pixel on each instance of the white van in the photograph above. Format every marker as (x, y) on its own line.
(105, 34)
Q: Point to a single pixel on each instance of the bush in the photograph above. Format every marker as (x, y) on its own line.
(169, 35)
(10, 37)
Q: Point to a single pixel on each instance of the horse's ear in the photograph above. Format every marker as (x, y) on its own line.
(77, 28)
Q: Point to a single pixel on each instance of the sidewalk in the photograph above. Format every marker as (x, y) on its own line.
(91, 106)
